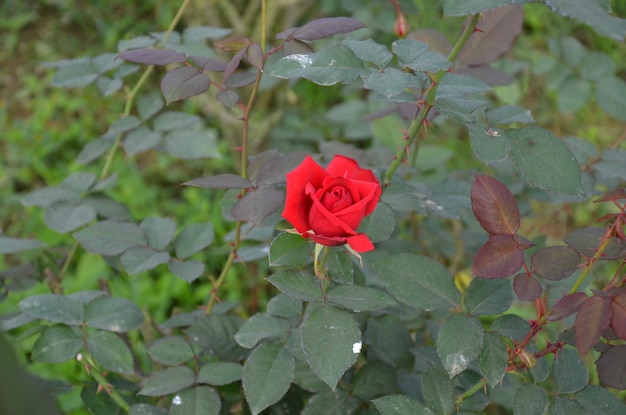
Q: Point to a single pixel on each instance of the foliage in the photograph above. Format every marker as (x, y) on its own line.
(441, 317)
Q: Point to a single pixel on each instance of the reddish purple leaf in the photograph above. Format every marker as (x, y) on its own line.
(183, 82)
(321, 28)
(255, 56)
(587, 240)
(499, 30)
(257, 204)
(499, 257)
(209, 64)
(527, 287)
(220, 181)
(294, 46)
(618, 319)
(611, 367)
(152, 56)
(592, 319)
(555, 263)
(567, 306)
(234, 63)
(618, 194)
(494, 206)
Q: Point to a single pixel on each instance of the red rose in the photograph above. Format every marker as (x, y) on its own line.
(329, 205)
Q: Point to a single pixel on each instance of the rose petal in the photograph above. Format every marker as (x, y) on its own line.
(322, 221)
(297, 203)
(328, 241)
(360, 242)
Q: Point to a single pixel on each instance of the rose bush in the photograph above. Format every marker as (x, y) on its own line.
(329, 204)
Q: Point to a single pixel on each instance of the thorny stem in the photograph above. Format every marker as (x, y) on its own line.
(244, 170)
(92, 369)
(430, 101)
(471, 391)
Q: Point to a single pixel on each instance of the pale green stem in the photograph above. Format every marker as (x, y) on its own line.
(593, 260)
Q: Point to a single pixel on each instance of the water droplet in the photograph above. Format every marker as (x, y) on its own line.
(303, 60)
(356, 347)
(177, 400)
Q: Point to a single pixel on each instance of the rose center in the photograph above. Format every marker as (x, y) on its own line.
(337, 198)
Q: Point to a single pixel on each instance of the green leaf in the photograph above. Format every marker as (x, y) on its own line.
(574, 94)
(490, 145)
(80, 181)
(200, 400)
(611, 96)
(189, 270)
(141, 258)
(149, 105)
(461, 7)
(98, 403)
(358, 298)
(297, 284)
(330, 338)
(110, 237)
(569, 372)
(326, 67)
(417, 56)
(511, 326)
(46, 196)
(457, 85)
(399, 405)
(596, 66)
(418, 281)
(57, 344)
(93, 150)
(169, 380)
(141, 139)
(159, 231)
(220, 373)
(113, 314)
(598, 400)
(175, 121)
(488, 296)
(216, 333)
(196, 33)
(388, 82)
(110, 352)
(123, 124)
(370, 51)
(193, 239)
(493, 358)
(267, 374)
(257, 205)
(375, 378)
(13, 245)
(437, 391)
(53, 307)
(573, 51)
(330, 402)
(459, 341)
(380, 224)
(530, 399)
(564, 405)
(389, 340)
(592, 14)
(509, 114)
(146, 409)
(190, 144)
(459, 109)
(171, 350)
(545, 161)
(260, 326)
(289, 249)
(284, 306)
(74, 73)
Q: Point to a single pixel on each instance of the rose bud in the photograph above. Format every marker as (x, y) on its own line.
(329, 204)
(401, 27)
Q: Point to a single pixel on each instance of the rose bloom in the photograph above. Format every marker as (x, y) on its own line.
(329, 204)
